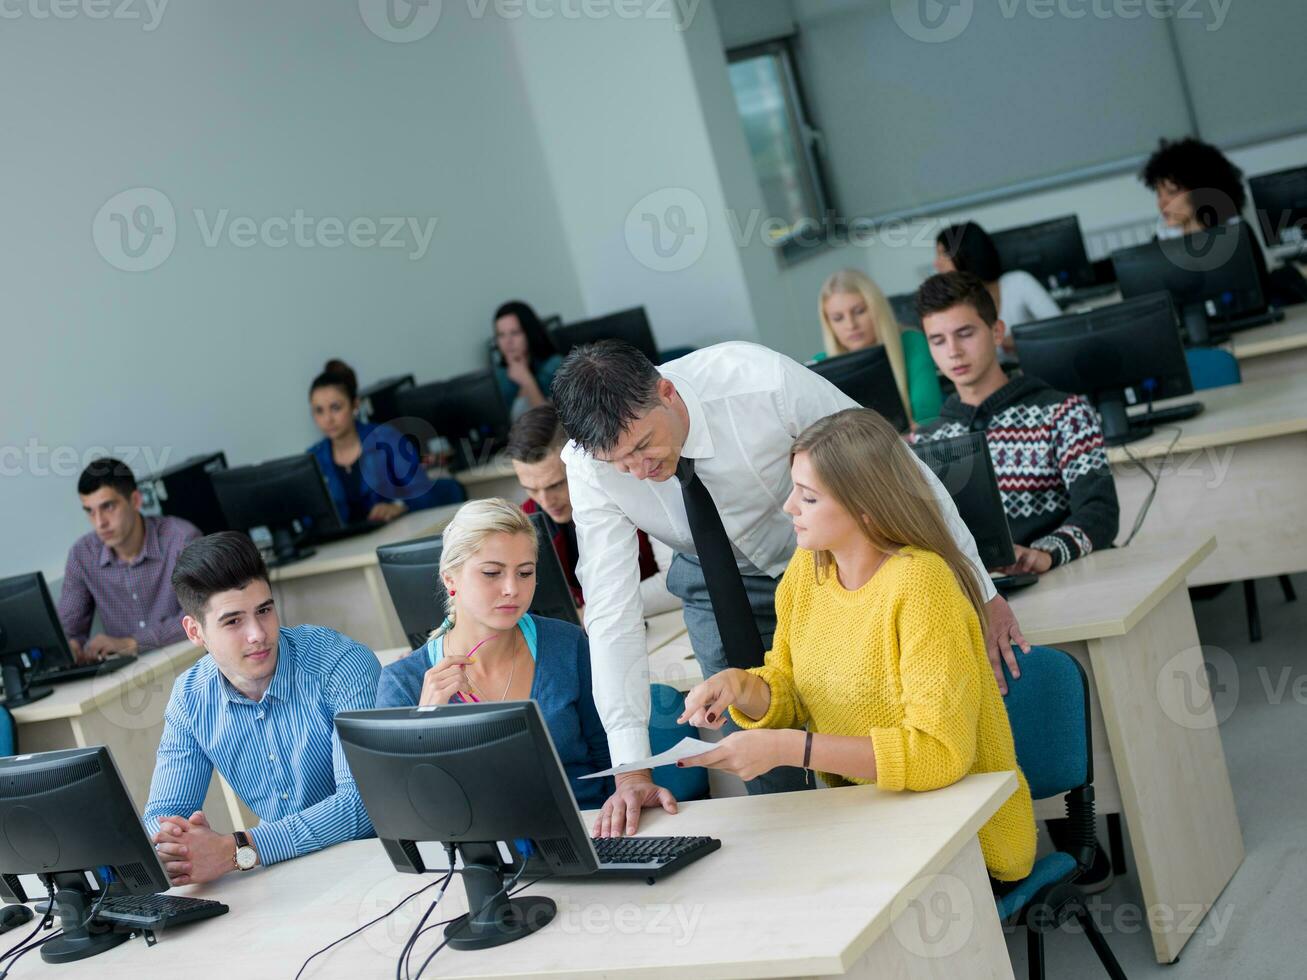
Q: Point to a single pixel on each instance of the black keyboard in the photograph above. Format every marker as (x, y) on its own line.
(1172, 413)
(157, 911)
(1007, 584)
(61, 675)
(649, 857)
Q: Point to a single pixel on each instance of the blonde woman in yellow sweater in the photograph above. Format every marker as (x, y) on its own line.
(879, 651)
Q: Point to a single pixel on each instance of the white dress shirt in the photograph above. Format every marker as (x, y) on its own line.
(746, 406)
(1022, 299)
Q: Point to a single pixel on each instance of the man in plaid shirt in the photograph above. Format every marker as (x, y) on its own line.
(122, 568)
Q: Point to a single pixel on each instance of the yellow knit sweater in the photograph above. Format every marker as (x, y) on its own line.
(902, 659)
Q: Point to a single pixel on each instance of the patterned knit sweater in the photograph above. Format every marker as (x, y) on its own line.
(901, 659)
(1048, 455)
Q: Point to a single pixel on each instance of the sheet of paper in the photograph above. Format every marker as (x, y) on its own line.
(683, 749)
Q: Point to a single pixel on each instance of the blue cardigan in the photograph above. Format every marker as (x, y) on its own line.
(389, 473)
(561, 687)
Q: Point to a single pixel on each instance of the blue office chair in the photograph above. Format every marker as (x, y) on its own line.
(8, 733)
(1049, 712)
(1211, 367)
(666, 705)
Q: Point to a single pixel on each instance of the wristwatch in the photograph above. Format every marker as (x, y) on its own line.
(246, 856)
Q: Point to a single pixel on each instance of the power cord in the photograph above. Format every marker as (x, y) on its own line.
(443, 883)
(27, 949)
(485, 905)
(1154, 479)
(49, 914)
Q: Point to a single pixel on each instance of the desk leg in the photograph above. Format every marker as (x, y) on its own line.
(1170, 766)
(949, 930)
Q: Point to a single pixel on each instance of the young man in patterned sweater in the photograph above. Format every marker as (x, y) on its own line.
(1046, 445)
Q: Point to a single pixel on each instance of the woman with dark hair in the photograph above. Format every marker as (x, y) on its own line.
(1197, 187)
(525, 360)
(1017, 294)
(371, 472)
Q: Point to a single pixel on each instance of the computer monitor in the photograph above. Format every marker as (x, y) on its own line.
(1052, 251)
(68, 818)
(866, 377)
(467, 411)
(31, 636)
(964, 466)
(186, 491)
(377, 401)
(411, 571)
(1214, 277)
(287, 496)
(470, 776)
(904, 306)
(629, 326)
(1116, 355)
(1281, 202)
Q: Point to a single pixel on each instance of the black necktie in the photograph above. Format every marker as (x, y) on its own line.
(730, 603)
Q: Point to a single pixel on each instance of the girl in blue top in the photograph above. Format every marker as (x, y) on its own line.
(525, 359)
(371, 473)
(489, 647)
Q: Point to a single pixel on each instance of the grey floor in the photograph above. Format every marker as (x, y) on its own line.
(1258, 928)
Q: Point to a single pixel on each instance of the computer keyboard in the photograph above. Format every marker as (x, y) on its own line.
(1172, 413)
(1006, 584)
(649, 857)
(343, 533)
(156, 912)
(78, 671)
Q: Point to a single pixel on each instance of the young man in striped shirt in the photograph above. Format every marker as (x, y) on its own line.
(1047, 446)
(259, 709)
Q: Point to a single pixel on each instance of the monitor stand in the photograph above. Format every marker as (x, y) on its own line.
(285, 550)
(1197, 328)
(81, 938)
(493, 918)
(1118, 427)
(17, 682)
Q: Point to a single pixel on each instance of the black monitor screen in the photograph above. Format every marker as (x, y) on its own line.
(1217, 270)
(1281, 202)
(629, 326)
(964, 466)
(1051, 251)
(468, 411)
(867, 378)
(29, 623)
(287, 496)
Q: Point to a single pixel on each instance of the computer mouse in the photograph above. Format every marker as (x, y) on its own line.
(13, 916)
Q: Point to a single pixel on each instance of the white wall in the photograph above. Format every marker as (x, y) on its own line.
(259, 108)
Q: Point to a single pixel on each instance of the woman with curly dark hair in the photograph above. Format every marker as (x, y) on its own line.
(1197, 186)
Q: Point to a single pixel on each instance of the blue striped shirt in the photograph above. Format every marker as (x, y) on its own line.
(280, 754)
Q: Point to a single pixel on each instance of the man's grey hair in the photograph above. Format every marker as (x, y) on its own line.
(600, 390)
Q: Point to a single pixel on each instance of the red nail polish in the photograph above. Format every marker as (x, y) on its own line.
(711, 717)
(680, 765)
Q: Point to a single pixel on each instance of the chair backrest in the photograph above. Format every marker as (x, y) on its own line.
(1048, 707)
(1211, 367)
(8, 732)
(666, 705)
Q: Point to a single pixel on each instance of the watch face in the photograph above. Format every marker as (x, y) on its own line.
(245, 858)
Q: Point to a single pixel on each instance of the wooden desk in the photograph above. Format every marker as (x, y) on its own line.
(341, 585)
(1237, 470)
(123, 710)
(850, 882)
(1125, 615)
(1275, 351)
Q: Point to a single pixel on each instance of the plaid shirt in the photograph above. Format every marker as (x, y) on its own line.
(134, 598)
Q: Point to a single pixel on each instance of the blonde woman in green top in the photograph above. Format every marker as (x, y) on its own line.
(855, 315)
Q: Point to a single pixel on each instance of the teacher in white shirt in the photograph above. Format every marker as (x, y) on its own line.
(733, 411)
